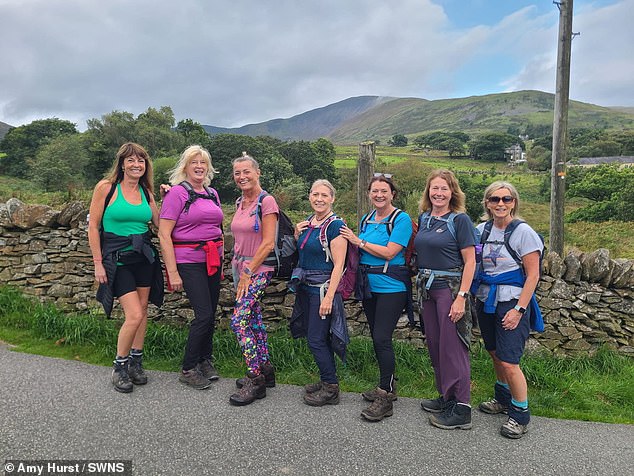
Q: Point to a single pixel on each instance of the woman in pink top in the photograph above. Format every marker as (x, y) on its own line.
(190, 231)
(253, 228)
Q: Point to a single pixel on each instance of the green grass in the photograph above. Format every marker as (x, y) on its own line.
(597, 388)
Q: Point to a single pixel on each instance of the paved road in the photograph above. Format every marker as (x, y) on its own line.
(57, 409)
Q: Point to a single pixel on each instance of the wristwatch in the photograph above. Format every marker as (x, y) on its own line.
(247, 271)
(463, 294)
(363, 243)
(520, 309)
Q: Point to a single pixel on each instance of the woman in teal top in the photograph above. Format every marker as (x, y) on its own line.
(126, 263)
(383, 236)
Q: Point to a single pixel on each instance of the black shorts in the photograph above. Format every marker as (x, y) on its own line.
(129, 277)
(507, 344)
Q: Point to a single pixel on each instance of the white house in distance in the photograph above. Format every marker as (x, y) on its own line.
(515, 155)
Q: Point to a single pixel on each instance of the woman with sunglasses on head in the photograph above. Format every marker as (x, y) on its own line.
(445, 247)
(383, 236)
(505, 301)
(253, 227)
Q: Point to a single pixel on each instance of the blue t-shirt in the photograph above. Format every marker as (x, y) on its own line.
(311, 254)
(377, 233)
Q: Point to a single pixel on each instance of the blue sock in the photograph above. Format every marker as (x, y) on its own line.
(505, 385)
(502, 393)
(521, 405)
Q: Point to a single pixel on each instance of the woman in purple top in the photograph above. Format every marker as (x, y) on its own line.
(190, 232)
(253, 227)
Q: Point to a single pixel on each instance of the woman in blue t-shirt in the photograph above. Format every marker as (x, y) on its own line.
(383, 236)
(445, 246)
(318, 309)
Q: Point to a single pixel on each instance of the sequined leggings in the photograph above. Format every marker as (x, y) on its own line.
(247, 324)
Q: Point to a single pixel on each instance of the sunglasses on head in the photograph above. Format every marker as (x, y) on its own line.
(505, 199)
(378, 174)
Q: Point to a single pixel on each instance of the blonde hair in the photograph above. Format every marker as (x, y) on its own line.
(246, 158)
(130, 149)
(457, 202)
(325, 183)
(494, 187)
(178, 174)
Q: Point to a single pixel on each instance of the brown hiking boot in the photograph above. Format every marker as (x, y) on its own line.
(380, 408)
(269, 376)
(135, 370)
(194, 379)
(208, 370)
(370, 395)
(253, 388)
(312, 387)
(328, 394)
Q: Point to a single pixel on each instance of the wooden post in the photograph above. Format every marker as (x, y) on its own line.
(365, 171)
(560, 129)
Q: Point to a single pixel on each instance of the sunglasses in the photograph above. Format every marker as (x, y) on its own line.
(378, 174)
(505, 199)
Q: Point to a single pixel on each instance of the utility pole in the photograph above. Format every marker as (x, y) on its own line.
(560, 128)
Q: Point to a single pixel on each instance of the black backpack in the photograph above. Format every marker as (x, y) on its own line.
(193, 195)
(284, 256)
(508, 231)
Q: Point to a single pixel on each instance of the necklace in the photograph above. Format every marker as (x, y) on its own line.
(318, 221)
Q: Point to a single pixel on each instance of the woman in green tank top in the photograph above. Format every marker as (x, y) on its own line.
(126, 264)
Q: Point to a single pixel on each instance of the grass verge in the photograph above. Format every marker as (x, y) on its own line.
(597, 388)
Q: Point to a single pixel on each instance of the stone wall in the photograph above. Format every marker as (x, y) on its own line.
(587, 298)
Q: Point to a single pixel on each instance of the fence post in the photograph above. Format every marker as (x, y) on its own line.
(365, 171)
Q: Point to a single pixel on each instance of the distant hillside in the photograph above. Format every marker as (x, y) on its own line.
(4, 128)
(474, 114)
(373, 117)
(309, 125)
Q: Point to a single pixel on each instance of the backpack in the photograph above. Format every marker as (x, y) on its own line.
(284, 256)
(410, 250)
(508, 231)
(425, 217)
(348, 280)
(193, 195)
(113, 187)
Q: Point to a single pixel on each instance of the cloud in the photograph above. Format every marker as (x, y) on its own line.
(228, 63)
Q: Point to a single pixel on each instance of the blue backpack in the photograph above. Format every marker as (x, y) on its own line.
(424, 220)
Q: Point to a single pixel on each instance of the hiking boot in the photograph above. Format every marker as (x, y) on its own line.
(328, 394)
(194, 379)
(254, 388)
(437, 405)
(493, 407)
(267, 370)
(370, 395)
(208, 370)
(456, 416)
(312, 387)
(380, 408)
(512, 429)
(135, 370)
(120, 377)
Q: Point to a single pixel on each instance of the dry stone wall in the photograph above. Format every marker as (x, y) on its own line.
(587, 298)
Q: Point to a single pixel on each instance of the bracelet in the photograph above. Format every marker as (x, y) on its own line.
(97, 260)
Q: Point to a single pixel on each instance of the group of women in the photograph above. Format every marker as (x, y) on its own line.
(457, 270)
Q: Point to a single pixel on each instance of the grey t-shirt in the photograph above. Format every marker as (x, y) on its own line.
(497, 260)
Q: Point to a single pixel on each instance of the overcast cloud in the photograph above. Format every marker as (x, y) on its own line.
(229, 63)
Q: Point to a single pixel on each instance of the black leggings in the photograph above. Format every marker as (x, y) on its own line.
(203, 292)
(383, 311)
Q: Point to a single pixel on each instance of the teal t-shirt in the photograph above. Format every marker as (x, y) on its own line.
(124, 219)
(377, 233)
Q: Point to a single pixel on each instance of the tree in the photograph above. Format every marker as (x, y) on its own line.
(397, 140)
(491, 146)
(193, 133)
(61, 163)
(104, 137)
(539, 158)
(21, 144)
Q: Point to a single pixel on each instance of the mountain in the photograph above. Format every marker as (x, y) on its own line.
(373, 117)
(4, 128)
(320, 122)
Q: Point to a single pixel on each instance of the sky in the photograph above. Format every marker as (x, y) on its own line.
(237, 62)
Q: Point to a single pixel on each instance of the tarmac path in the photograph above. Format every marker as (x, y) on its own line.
(58, 409)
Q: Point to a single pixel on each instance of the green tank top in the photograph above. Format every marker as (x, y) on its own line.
(124, 219)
